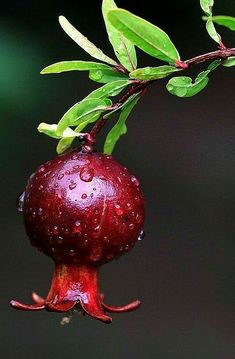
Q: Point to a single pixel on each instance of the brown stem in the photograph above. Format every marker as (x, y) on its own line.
(221, 54)
(138, 86)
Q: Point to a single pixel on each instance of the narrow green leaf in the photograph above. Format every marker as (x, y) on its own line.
(227, 21)
(153, 73)
(123, 48)
(119, 128)
(184, 87)
(206, 6)
(212, 31)
(83, 42)
(148, 37)
(106, 75)
(109, 89)
(66, 142)
(51, 131)
(229, 62)
(65, 66)
(88, 110)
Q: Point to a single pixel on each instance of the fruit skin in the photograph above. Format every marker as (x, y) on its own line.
(82, 209)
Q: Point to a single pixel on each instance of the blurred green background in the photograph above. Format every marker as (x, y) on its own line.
(183, 151)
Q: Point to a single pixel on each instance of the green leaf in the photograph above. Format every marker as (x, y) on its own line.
(86, 110)
(109, 89)
(153, 73)
(83, 42)
(229, 62)
(51, 131)
(227, 21)
(212, 31)
(206, 6)
(184, 87)
(106, 75)
(65, 66)
(123, 48)
(148, 37)
(119, 128)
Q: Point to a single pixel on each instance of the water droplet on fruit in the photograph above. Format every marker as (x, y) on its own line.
(141, 235)
(40, 187)
(67, 172)
(110, 256)
(138, 218)
(86, 174)
(72, 252)
(40, 211)
(127, 247)
(118, 210)
(53, 250)
(60, 176)
(131, 226)
(84, 196)
(55, 230)
(41, 169)
(76, 167)
(74, 157)
(135, 181)
(72, 185)
(60, 239)
(20, 201)
(77, 227)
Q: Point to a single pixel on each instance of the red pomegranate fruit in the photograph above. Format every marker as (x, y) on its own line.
(83, 210)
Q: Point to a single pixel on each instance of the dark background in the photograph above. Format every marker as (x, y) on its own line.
(182, 150)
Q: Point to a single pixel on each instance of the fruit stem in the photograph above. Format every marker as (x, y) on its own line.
(137, 86)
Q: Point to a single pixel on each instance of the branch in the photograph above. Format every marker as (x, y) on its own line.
(88, 139)
(222, 54)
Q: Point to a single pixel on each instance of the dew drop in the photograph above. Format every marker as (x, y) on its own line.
(110, 256)
(138, 218)
(53, 250)
(131, 226)
(86, 174)
(40, 187)
(76, 167)
(40, 211)
(20, 201)
(60, 239)
(74, 157)
(55, 230)
(135, 181)
(72, 185)
(118, 210)
(141, 235)
(84, 196)
(127, 247)
(60, 176)
(72, 252)
(67, 172)
(77, 227)
(41, 169)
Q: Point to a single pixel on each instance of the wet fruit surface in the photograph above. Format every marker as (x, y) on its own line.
(83, 210)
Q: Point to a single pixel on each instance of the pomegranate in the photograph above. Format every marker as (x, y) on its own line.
(82, 209)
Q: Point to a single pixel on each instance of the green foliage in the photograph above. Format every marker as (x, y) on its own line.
(126, 31)
(65, 66)
(206, 6)
(83, 42)
(85, 111)
(148, 37)
(212, 31)
(153, 73)
(123, 48)
(227, 21)
(120, 128)
(229, 62)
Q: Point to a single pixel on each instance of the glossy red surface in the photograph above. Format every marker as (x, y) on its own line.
(81, 209)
